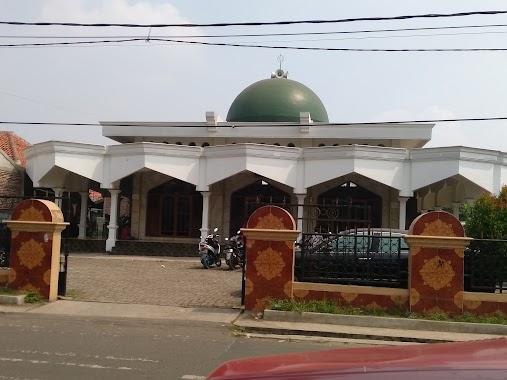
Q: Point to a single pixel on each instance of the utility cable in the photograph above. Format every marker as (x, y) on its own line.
(284, 124)
(248, 46)
(289, 22)
(269, 34)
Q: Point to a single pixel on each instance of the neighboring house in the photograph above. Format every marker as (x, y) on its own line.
(12, 164)
(13, 179)
(182, 179)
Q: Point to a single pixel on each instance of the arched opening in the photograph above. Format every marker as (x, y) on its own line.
(350, 206)
(174, 209)
(290, 145)
(248, 199)
(205, 144)
(191, 144)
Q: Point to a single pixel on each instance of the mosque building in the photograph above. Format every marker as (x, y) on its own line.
(182, 179)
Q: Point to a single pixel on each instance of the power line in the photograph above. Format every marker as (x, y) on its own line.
(328, 49)
(267, 34)
(72, 43)
(245, 45)
(285, 124)
(227, 24)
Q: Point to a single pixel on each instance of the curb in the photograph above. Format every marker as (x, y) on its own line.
(383, 322)
(12, 299)
(327, 336)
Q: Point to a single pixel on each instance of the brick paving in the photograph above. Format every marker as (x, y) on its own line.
(154, 281)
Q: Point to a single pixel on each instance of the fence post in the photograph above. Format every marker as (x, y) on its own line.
(270, 239)
(436, 263)
(36, 227)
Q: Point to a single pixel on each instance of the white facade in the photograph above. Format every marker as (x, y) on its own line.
(219, 158)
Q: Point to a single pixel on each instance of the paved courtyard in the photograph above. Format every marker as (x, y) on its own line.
(156, 281)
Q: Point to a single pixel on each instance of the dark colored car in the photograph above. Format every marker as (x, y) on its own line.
(369, 257)
(483, 359)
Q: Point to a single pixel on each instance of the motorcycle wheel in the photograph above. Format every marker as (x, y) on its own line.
(231, 264)
(205, 262)
(218, 263)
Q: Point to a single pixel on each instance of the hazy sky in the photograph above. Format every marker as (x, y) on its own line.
(158, 81)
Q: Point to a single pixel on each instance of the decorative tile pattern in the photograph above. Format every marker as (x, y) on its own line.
(374, 301)
(32, 214)
(271, 273)
(31, 251)
(271, 218)
(269, 264)
(437, 223)
(30, 262)
(436, 272)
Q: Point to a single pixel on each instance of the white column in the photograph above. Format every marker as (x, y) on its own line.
(455, 209)
(113, 220)
(82, 217)
(301, 202)
(205, 212)
(58, 196)
(403, 212)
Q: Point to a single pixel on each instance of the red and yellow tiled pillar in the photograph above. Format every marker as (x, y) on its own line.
(270, 235)
(436, 263)
(36, 228)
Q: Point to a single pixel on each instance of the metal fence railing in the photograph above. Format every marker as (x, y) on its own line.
(373, 258)
(486, 266)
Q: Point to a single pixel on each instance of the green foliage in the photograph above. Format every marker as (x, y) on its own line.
(486, 217)
(33, 297)
(334, 307)
(437, 317)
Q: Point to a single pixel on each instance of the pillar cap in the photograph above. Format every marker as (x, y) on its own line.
(275, 235)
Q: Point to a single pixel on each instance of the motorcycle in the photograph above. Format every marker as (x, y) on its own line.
(235, 251)
(209, 250)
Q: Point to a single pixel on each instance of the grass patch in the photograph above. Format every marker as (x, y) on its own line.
(333, 307)
(31, 295)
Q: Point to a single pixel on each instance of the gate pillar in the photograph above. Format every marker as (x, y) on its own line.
(436, 263)
(270, 240)
(36, 228)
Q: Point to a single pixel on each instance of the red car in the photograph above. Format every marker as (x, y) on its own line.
(483, 359)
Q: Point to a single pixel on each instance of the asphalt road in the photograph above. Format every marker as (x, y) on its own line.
(40, 347)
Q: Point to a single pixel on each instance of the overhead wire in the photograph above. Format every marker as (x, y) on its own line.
(260, 23)
(246, 45)
(474, 26)
(415, 121)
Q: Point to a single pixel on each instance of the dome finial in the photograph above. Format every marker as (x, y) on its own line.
(279, 73)
(280, 59)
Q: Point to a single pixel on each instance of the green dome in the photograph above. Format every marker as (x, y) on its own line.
(276, 100)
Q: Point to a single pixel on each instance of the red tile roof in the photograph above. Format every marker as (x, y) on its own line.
(94, 195)
(13, 146)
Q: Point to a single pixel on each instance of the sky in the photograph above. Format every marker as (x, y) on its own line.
(160, 81)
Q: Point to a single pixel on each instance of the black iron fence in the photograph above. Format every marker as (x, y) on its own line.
(372, 258)
(486, 266)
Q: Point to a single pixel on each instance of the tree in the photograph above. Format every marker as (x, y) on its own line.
(486, 217)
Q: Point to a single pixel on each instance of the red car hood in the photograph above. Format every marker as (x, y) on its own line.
(484, 359)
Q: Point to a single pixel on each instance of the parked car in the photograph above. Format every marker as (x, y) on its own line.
(363, 257)
(482, 359)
